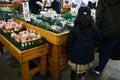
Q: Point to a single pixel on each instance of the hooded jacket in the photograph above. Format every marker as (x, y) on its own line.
(108, 17)
(80, 45)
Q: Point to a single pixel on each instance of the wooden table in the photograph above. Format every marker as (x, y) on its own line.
(25, 56)
(56, 56)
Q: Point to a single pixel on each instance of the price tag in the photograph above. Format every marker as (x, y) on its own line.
(26, 11)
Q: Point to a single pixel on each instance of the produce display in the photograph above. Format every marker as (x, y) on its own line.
(5, 15)
(21, 37)
(6, 5)
(50, 21)
(69, 16)
(8, 9)
(10, 26)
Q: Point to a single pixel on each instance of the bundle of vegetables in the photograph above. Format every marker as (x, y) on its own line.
(10, 26)
(4, 15)
(45, 23)
(50, 19)
(18, 16)
(57, 20)
(68, 16)
(50, 22)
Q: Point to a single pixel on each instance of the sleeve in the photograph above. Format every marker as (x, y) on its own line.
(98, 37)
(100, 13)
(97, 33)
(70, 41)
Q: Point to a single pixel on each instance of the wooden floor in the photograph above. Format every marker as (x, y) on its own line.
(10, 70)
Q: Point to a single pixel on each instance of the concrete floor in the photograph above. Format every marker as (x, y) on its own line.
(10, 70)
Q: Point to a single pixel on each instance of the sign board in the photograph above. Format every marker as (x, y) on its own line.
(26, 11)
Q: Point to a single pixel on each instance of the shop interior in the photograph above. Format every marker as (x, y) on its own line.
(34, 47)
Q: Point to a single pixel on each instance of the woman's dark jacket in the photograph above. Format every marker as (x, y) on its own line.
(108, 17)
(56, 5)
(80, 45)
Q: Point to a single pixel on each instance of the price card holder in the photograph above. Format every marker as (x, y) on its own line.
(26, 11)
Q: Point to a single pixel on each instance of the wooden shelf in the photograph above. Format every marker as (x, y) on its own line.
(5, 5)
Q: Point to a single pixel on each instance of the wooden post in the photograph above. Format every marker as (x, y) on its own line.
(25, 71)
(42, 61)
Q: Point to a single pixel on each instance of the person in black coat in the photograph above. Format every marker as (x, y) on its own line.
(35, 6)
(108, 20)
(80, 43)
(92, 5)
(56, 6)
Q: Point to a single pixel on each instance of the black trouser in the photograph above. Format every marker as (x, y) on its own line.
(106, 51)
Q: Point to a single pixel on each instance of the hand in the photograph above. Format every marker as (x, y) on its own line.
(40, 4)
(51, 9)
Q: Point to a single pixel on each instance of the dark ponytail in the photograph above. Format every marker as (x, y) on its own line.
(86, 20)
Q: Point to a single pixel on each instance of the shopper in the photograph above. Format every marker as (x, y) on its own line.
(56, 6)
(108, 19)
(36, 6)
(76, 4)
(91, 4)
(80, 43)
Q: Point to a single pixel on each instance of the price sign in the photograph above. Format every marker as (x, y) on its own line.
(26, 11)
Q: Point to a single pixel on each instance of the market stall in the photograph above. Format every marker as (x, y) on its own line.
(56, 40)
(32, 48)
(25, 56)
(57, 56)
